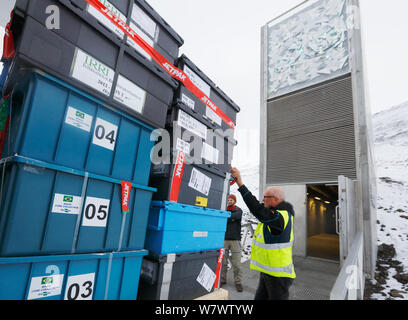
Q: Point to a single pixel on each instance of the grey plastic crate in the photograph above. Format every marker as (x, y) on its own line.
(179, 282)
(213, 147)
(201, 185)
(183, 95)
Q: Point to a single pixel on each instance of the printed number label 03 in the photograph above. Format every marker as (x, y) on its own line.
(95, 212)
(105, 134)
(80, 287)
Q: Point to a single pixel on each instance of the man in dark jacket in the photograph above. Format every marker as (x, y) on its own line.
(271, 252)
(232, 243)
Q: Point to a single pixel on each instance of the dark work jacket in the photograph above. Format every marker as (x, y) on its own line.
(269, 216)
(234, 225)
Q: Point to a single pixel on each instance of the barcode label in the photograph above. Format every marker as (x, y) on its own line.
(200, 182)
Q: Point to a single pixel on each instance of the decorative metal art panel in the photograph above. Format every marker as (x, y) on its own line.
(308, 47)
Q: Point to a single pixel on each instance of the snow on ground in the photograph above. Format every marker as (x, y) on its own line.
(391, 151)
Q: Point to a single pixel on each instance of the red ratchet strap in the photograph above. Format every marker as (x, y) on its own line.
(163, 62)
(177, 176)
(218, 270)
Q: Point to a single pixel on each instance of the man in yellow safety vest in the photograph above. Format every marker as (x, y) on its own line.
(272, 245)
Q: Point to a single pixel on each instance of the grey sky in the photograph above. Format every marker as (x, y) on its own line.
(222, 37)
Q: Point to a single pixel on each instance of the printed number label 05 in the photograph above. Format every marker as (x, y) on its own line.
(95, 212)
(105, 134)
(80, 287)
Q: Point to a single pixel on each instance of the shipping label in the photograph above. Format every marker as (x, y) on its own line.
(189, 123)
(187, 101)
(183, 146)
(200, 182)
(209, 153)
(130, 94)
(206, 277)
(200, 234)
(79, 119)
(66, 204)
(144, 36)
(200, 83)
(92, 72)
(213, 116)
(45, 286)
(105, 21)
(144, 21)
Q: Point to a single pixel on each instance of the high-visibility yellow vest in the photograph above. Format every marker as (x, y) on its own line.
(273, 254)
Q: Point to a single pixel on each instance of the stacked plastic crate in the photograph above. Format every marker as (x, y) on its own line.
(82, 103)
(191, 171)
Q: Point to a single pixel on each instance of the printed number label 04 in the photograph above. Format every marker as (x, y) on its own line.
(95, 212)
(80, 287)
(105, 134)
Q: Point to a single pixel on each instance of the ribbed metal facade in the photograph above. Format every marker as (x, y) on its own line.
(311, 135)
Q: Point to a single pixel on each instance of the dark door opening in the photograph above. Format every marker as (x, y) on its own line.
(322, 239)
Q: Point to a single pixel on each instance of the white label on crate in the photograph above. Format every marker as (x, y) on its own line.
(213, 116)
(200, 234)
(66, 204)
(200, 83)
(105, 134)
(92, 72)
(144, 36)
(45, 286)
(200, 182)
(79, 119)
(206, 277)
(96, 212)
(80, 287)
(110, 25)
(144, 21)
(189, 123)
(183, 146)
(130, 94)
(187, 101)
(209, 153)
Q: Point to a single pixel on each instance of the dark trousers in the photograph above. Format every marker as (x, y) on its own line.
(273, 288)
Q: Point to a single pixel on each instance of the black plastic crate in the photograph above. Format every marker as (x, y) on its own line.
(223, 102)
(174, 276)
(95, 64)
(138, 14)
(201, 185)
(196, 137)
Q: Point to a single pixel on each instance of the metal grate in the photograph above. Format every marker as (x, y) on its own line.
(301, 293)
(310, 135)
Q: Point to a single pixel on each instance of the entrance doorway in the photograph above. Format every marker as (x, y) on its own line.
(322, 238)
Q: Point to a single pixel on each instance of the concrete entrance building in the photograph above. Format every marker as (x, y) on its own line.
(316, 138)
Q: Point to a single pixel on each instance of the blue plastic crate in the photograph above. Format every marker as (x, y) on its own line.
(54, 122)
(49, 209)
(106, 276)
(176, 228)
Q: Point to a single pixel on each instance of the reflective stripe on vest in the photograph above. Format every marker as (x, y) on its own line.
(272, 246)
(287, 269)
